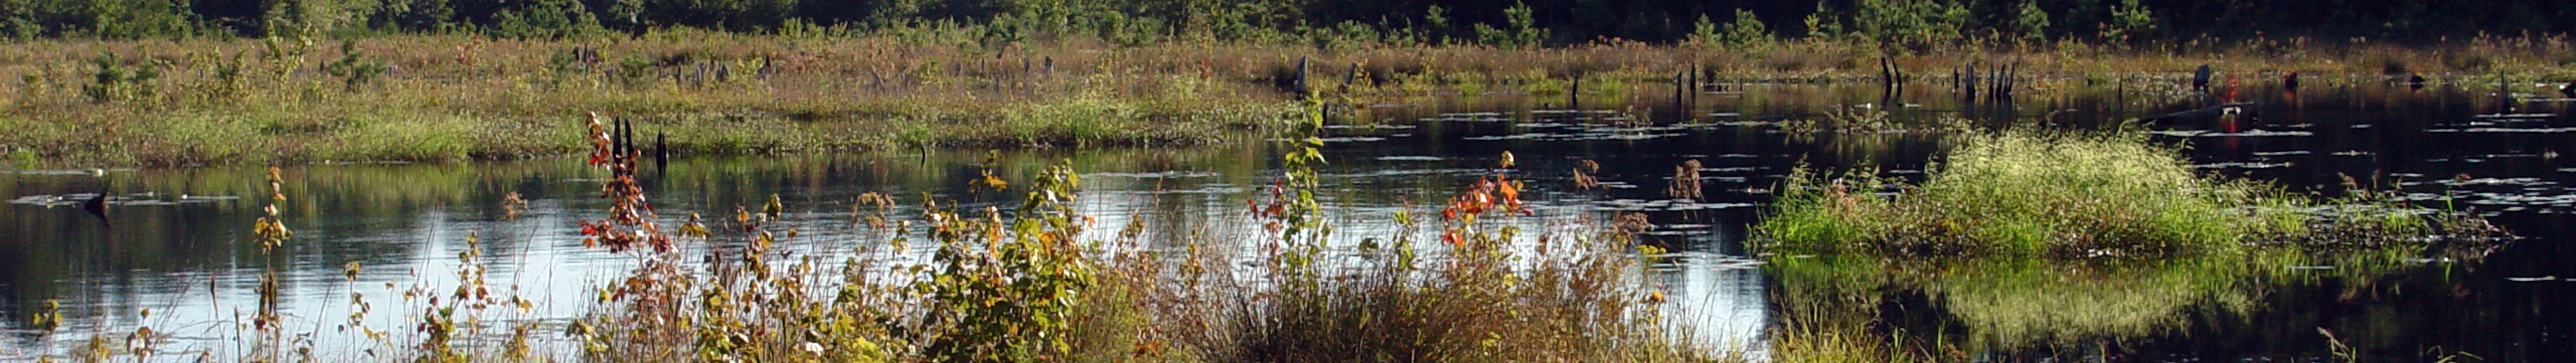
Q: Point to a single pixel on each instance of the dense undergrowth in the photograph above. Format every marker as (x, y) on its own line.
(2078, 194)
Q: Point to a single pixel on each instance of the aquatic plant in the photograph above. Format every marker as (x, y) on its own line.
(1858, 120)
(2065, 194)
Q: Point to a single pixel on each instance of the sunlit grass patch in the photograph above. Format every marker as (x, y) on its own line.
(2070, 194)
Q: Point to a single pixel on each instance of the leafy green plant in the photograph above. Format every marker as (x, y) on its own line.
(1747, 30)
(231, 77)
(1008, 292)
(2129, 20)
(2030, 23)
(1519, 29)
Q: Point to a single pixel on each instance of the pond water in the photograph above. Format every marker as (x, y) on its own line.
(173, 251)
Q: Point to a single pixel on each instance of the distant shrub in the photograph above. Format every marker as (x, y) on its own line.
(116, 80)
(545, 19)
(1520, 30)
(2129, 20)
(137, 18)
(2030, 23)
(1909, 23)
(354, 68)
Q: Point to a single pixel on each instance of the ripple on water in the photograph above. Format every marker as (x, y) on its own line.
(1370, 127)
(2517, 116)
(1407, 172)
(1679, 261)
(1343, 139)
(126, 200)
(1665, 205)
(1167, 174)
(2502, 130)
(1731, 169)
(2248, 133)
(2495, 181)
(2242, 165)
(1542, 136)
(1410, 158)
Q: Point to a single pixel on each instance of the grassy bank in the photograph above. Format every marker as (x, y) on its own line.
(455, 97)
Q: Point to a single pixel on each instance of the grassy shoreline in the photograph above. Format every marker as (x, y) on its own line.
(77, 103)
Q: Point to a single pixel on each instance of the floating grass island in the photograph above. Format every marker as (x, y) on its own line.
(2071, 194)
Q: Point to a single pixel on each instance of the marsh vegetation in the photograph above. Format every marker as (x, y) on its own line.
(1125, 254)
(1300, 181)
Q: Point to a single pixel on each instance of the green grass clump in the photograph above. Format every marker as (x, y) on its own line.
(1829, 305)
(2031, 193)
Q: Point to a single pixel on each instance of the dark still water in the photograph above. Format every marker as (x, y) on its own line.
(174, 253)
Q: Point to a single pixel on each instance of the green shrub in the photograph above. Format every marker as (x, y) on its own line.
(353, 67)
(1013, 298)
(1747, 30)
(544, 19)
(2129, 20)
(127, 19)
(1520, 30)
(115, 80)
(1909, 23)
(2030, 23)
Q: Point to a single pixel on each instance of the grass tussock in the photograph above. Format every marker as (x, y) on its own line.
(1475, 307)
(2067, 195)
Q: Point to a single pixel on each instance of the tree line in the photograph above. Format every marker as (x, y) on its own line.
(1523, 22)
